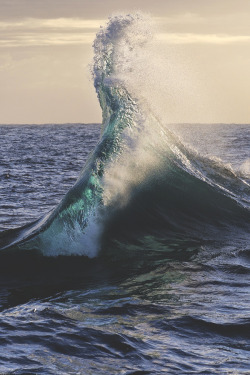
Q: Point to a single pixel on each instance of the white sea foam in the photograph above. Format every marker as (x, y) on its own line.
(245, 168)
(71, 240)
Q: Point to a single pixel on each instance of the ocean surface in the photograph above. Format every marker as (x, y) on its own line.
(124, 246)
(149, 307)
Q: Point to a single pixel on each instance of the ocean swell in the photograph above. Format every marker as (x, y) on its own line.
(140, 177)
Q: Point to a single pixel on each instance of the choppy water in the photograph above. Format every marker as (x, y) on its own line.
(42, 161)
(146, 308)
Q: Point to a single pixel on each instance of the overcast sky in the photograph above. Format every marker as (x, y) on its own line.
(46, 48)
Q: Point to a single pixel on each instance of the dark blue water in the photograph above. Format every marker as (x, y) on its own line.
(156, 299)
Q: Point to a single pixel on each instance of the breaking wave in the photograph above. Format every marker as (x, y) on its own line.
(140, 179)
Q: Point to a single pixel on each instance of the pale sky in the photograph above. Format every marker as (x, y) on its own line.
(46, 49)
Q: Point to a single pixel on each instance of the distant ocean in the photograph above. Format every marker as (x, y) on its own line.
(124, 247)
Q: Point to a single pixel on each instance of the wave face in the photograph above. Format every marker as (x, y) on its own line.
(140, 177)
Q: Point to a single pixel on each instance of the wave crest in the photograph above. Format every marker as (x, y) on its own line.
(138, 168)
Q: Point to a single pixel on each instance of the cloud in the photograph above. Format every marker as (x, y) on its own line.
(57, 23)
(48, 40)
(45, 32)
(190, 38)
(72, 31)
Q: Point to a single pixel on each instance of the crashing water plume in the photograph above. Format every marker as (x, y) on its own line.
(137, 162)
(75, 225)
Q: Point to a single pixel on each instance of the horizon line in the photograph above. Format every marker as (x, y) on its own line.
(99, 123)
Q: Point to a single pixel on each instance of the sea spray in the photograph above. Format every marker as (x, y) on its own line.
(67, 229)
(138, 169)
